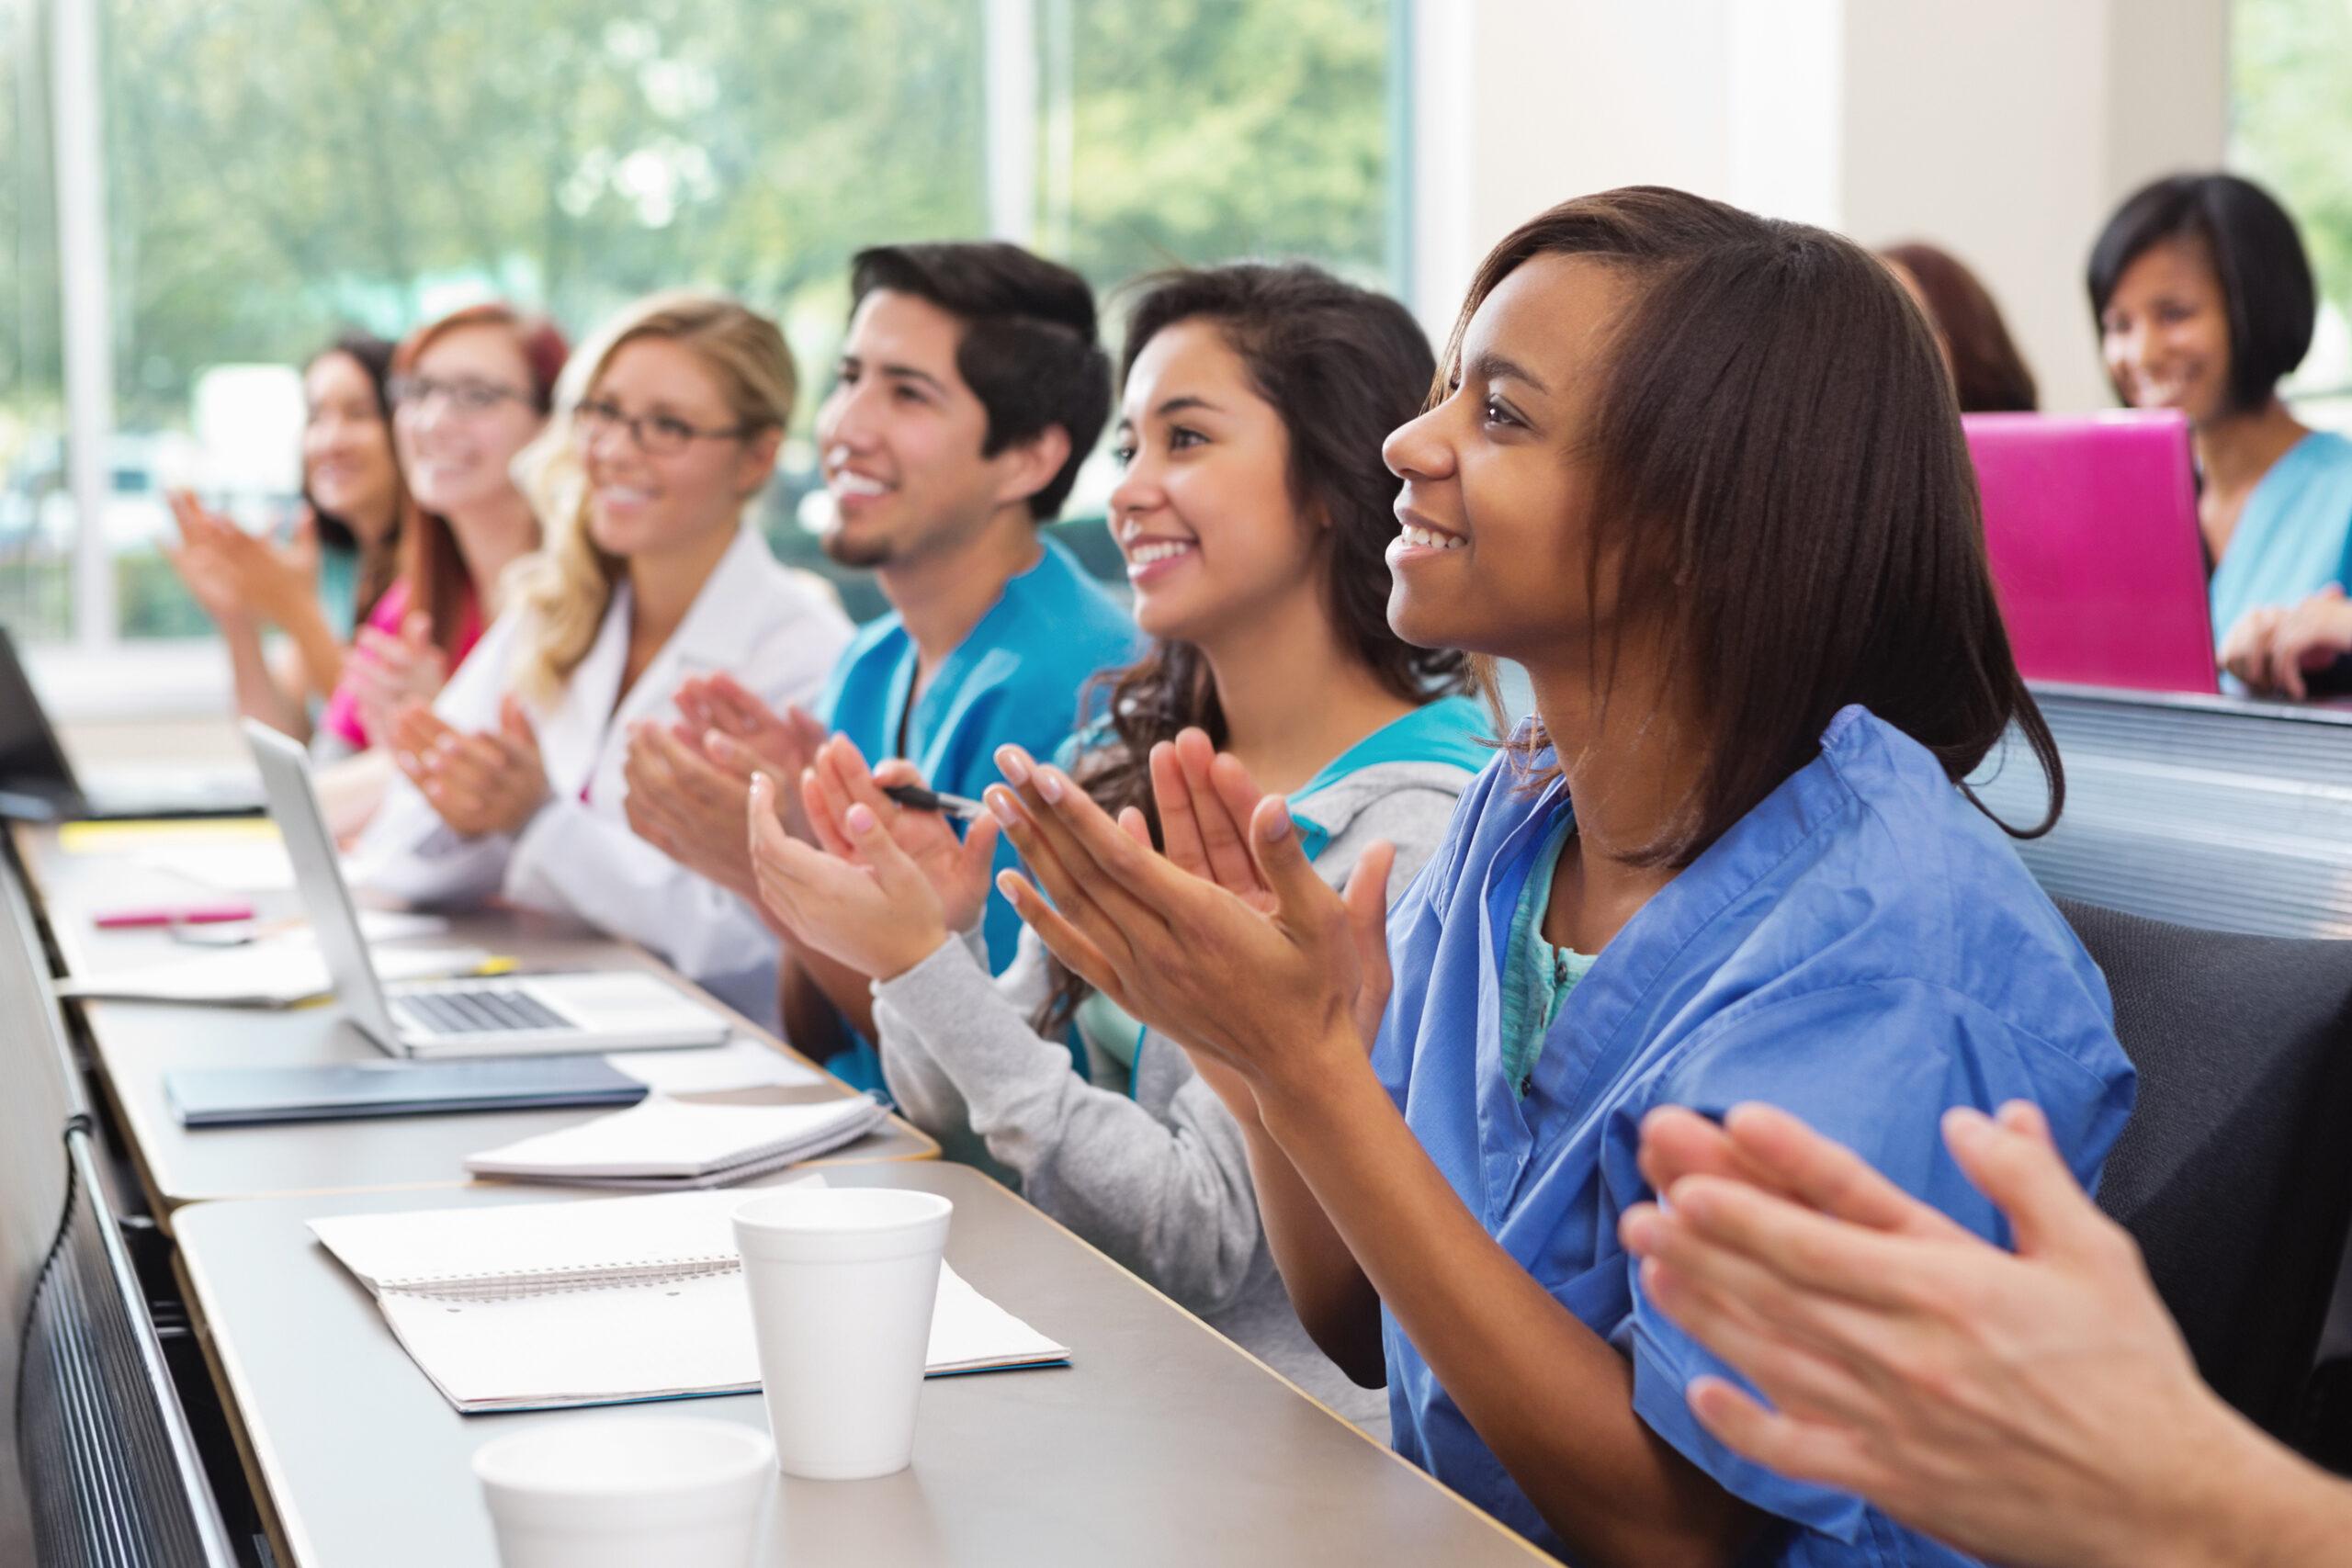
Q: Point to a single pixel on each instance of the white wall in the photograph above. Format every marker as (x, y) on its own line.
(2004, 130)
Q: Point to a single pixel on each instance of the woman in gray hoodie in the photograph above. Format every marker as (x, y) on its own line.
(1254, 514)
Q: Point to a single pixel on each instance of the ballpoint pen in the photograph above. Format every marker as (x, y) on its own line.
(915, 797)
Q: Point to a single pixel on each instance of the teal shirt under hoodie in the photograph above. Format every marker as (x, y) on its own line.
(1146, 1162)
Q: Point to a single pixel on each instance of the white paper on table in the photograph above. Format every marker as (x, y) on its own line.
(267, 973)
(379, 925)
(739, 1064)
(675, 1142)
(659, 1340)
(230, 866)
(545, 1305)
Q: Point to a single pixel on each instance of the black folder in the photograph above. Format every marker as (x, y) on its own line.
(247, 1097)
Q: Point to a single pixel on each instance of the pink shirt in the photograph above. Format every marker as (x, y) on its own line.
(342, 717)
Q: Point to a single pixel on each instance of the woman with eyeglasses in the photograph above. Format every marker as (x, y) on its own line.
(468, 391)
(511, 781)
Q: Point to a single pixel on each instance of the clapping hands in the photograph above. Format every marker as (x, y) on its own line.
(884, 886)
(1230, 943)
(490, 782)
(689, 783)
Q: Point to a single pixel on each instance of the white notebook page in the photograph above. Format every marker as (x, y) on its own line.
(541, 1305)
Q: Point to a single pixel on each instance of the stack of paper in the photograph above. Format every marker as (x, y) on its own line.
(741, 1063)
(664, 1144)
(540, 1306)
(267, 974)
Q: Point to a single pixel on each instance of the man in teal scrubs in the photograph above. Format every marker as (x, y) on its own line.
(970, 389)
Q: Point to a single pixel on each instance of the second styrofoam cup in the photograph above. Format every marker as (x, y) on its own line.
(842, 1281)
(641, 1492)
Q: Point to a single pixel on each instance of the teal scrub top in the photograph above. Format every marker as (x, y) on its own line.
(339, 590)
(2294, 535)
(1017, 678)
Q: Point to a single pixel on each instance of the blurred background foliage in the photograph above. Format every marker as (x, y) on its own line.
(2291, 114)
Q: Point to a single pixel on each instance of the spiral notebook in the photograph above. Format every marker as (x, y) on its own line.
(545, 1306)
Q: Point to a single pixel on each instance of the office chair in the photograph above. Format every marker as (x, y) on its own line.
(2234, 1173)
(111, 1474)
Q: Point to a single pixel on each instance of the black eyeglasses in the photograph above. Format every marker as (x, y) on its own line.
(466, 396)
(656, 435)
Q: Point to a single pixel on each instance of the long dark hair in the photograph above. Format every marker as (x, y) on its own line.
(1343, 366)
(1987, 371)
(1780, 469)
(379, 557)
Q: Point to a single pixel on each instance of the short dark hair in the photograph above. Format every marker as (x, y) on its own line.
(1987, 372)
(2258, 258)
(1780, 469)
(1030, 351)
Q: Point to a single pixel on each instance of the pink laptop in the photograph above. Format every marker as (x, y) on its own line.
(2091, 524)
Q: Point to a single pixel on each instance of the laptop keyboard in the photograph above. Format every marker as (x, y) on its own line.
(484, 1009)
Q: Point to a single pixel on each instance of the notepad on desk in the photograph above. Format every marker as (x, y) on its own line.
(275, 974)
(661, 1145)
(545, 1306)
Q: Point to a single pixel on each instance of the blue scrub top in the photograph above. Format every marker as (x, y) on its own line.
(1864, 949)
(1016, 678)
(2294, 535)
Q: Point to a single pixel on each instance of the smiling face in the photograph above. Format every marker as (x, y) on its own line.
(457, 457)
(347, 463)
(1205, 514)
(644, 502)
(899, 436)
(2165, 332)
(1493, 552)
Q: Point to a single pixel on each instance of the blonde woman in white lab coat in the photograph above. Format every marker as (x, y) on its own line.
(512, 779)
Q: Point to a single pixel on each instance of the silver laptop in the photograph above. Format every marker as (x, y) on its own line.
(513, 1015)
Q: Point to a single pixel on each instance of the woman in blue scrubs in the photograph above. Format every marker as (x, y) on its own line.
(1701, 475)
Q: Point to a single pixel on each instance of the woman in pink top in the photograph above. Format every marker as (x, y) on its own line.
(469, 391)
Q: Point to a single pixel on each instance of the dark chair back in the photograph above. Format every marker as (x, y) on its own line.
(2235, 1172)
(110, 1475)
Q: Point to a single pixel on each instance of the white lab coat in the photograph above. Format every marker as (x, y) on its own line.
(777, 631)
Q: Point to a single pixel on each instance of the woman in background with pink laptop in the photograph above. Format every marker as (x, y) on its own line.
(2204, 302)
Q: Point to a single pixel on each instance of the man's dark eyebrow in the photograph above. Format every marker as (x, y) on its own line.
(1491, 367)
(911, 373)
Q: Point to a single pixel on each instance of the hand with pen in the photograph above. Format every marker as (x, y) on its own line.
(891, 881)
(490, 782)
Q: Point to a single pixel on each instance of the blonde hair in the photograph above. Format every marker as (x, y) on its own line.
(567, 584)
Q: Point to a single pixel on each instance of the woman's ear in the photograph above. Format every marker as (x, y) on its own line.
(755, 465)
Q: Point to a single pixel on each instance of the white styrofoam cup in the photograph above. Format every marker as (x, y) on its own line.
(592, 1491)
(842, 1281)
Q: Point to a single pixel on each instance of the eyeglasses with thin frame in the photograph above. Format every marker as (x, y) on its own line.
(656, 435)
(467, 395)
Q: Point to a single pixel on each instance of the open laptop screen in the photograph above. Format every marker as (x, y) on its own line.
(2090, 521)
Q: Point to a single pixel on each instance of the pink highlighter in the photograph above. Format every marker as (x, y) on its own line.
(172, 915)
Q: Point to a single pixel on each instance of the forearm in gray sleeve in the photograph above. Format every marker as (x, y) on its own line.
(1172, 1199)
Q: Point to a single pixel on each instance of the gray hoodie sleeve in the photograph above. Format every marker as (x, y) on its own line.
(1169, 1198)
(1159, 1181)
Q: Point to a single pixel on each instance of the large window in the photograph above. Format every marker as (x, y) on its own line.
(2291, 129)
(277, 169)
(36, 515)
